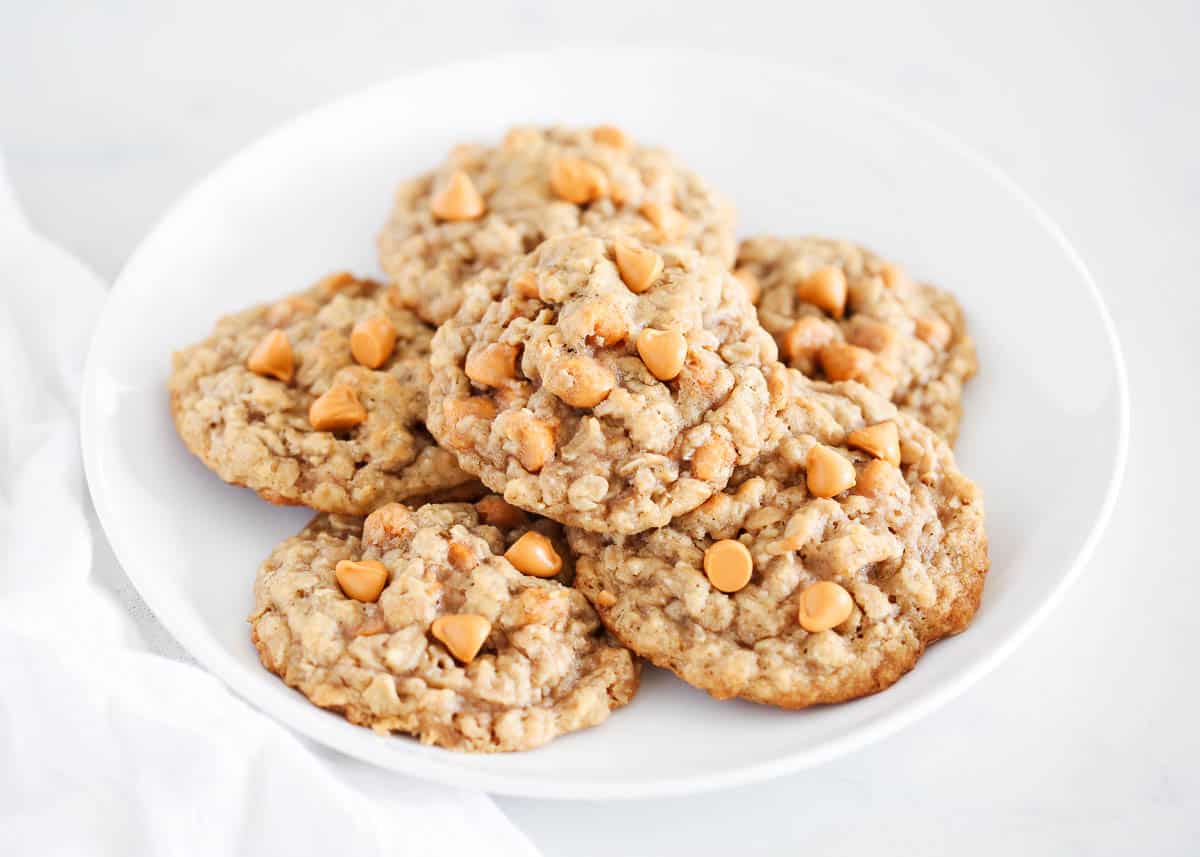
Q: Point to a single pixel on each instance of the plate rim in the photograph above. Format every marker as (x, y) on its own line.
(209, 654)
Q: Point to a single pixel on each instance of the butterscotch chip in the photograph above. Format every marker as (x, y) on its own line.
(285, 310)
(633, 407)
(459, 648)
(493, 365)
(876, 478)
(496, 512)
(828, 473)
(894, 277)
(457, 412)
(478, 407)
(540, 607)
(600, 322)
(669, 223)
(845, 592)
(872, 335)
(803, 341)
(372, 341)
(533, 554)
(915, 333)
(933, 331)
(535, 443)
(462, 633)
(543, 183)
(824, 605)
(824, 288)
(581, 382)
(522, 138)
(525, 285)
(258, 433)
(714, 460)
(663, 352)
(363, 580)
(639, 266)
(882, 440)
(577, 180)
(461, 556)
(333, 283)
(337, 409)
(273, 357)
(728, 565)
(610, 135)
(458, 199)
(842, 362)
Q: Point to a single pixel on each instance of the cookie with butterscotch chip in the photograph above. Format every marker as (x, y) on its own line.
(318, 399)
(449, 622)
(819, 574)
(606, 383)
(841, 313)
(488, 203)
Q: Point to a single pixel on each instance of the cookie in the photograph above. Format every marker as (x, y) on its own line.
(604, 383)
(819, 574)
(486, 204)
(318, 399)
(841, 313)
(416, 621)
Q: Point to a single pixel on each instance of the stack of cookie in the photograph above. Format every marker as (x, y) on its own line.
(569, 324)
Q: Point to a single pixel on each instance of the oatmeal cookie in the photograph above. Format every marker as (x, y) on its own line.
(486, 204)
(841, 313)
(445, 622)
(318, 399)
(611, 386)
(819, 574)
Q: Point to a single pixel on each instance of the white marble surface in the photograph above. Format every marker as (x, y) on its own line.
(1084, 742)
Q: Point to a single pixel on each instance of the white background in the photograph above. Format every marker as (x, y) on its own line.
(1084, 742)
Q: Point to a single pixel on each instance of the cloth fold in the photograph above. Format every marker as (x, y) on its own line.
(106, 748)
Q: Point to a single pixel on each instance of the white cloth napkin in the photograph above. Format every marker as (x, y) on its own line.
(104, 747)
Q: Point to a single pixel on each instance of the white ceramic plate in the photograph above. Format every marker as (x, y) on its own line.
(1044, 433)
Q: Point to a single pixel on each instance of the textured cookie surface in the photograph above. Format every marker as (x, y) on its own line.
(904, 340)
(906, 543)
(547, 394)
(545, 668)
(254, 429)
(621, 185)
